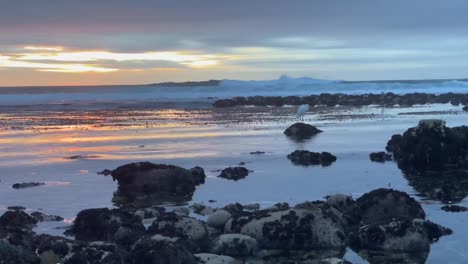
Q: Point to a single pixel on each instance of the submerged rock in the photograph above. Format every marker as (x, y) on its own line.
(380, 156)
(306, 158)
(301, 131)
(144, 178)
(26, 185)
(234, 173)
(454, 208)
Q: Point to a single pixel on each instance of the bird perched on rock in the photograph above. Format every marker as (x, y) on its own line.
(301, 111)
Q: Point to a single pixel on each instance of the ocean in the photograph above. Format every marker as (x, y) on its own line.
(41, 128)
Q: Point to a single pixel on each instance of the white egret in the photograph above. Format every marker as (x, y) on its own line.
(301, 111)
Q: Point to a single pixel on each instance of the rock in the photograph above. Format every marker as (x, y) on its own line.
(16, 220)
(306, 158)
(26, 185)
(101, 224)
(16, 254)
(152, 212)
(41, 217)
(380, 156)
(146, 178)
(257, 153)
(189, 229)
(208, 258)
(348, 207)
(465, 108)
(234, 173)
(16, 208)
(306, 227)
(182, 211)
(201, 209)
(430, 146)
(410, 235)
(385, 204)
(234, 245)
(454, 208)
(301, 131)
(224, 103)
(334, 261)
(156, 250)
(252, 206)
(219, 218)
(105, 172)
(392, 221)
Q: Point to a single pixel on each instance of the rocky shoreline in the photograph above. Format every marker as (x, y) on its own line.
(384, 99)
(383, 220)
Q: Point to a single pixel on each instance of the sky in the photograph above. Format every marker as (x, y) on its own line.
(89, 42)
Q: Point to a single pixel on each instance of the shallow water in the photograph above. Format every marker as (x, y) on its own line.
(35, 145)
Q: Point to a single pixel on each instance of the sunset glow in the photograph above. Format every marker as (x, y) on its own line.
(56, 59)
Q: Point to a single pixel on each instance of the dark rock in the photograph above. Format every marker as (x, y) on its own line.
(105, 172)
(224, 103)
(234, 245)
(41, 217)
(454, 208)
(380, 156)
(16, 208)
(12, 254)
(102, 224)
(300, 131)
(306, 158)
(430, 146)
(75, 157)
(26, 185)
(306, 226)
(257, 152)
(234, 173)
(385, 204)
(16, 219)
(191, 231)
(146, 178)
(465, 108)
(159, 249)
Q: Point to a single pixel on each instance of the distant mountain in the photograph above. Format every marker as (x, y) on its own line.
(187, 84)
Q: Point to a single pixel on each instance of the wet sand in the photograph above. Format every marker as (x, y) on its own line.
(35, 145)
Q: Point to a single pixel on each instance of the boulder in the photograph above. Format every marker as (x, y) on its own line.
(208, 258)
(219, 218)
(403, 235)
(300, 131)
(430, 146)
(306, 158)
(16, 220)
(380, 156)
(159, 249)
(201, 209)
(102, 224)
(192, 231)
(305, 227)
(385, 204)
(146, 177)
(234, 245)
(234, 173)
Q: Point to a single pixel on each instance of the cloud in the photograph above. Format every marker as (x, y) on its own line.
(54, 59)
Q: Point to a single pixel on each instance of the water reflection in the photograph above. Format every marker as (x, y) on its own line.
(447, 187)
